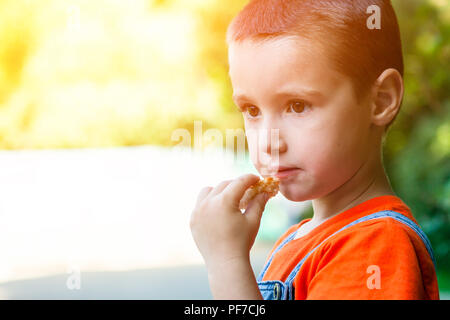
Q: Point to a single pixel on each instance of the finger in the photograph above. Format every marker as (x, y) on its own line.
(203, 194)
(234, 192)
(248, 196)
(256, 207)
(219, 188)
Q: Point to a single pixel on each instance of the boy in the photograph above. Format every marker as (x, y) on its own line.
(316, 71)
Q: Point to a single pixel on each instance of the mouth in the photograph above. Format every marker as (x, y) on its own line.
(285, 172)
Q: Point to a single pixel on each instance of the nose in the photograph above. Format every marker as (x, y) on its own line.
(270, 141)
(270, 144)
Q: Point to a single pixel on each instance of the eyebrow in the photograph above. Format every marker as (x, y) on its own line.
(283, 94)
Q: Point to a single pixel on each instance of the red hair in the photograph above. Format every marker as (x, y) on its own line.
(338, 26)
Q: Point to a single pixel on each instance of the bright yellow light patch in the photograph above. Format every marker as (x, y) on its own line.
(98, 73)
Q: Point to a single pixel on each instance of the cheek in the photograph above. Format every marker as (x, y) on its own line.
(338, 145)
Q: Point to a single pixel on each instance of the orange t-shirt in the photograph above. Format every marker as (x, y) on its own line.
(375, 259)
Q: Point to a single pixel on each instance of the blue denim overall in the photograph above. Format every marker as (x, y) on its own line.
(279, 290)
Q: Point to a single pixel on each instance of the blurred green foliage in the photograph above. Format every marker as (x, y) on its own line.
(417, 148)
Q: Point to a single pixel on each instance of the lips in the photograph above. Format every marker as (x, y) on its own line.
(285, 172)
(281, 168)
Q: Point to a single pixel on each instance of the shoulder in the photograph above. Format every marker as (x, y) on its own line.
(379, 230)
(381, 239)
(385, 248)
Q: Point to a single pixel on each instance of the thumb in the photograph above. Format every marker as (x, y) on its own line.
(256, 207)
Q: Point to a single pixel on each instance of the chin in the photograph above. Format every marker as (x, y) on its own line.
(293, 194)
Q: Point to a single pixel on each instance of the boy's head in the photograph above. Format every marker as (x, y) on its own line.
(344, 81)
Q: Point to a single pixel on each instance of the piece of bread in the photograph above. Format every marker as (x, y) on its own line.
(270, 185)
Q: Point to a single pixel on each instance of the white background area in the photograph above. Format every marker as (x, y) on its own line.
(103, 210)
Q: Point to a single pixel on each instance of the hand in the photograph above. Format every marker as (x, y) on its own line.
(220, 230)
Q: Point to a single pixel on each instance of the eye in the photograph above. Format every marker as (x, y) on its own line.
(298, 106)
(252, 111)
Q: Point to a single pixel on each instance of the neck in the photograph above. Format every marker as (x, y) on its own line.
(368, 182)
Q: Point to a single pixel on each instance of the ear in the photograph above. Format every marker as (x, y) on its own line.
(388, 95)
